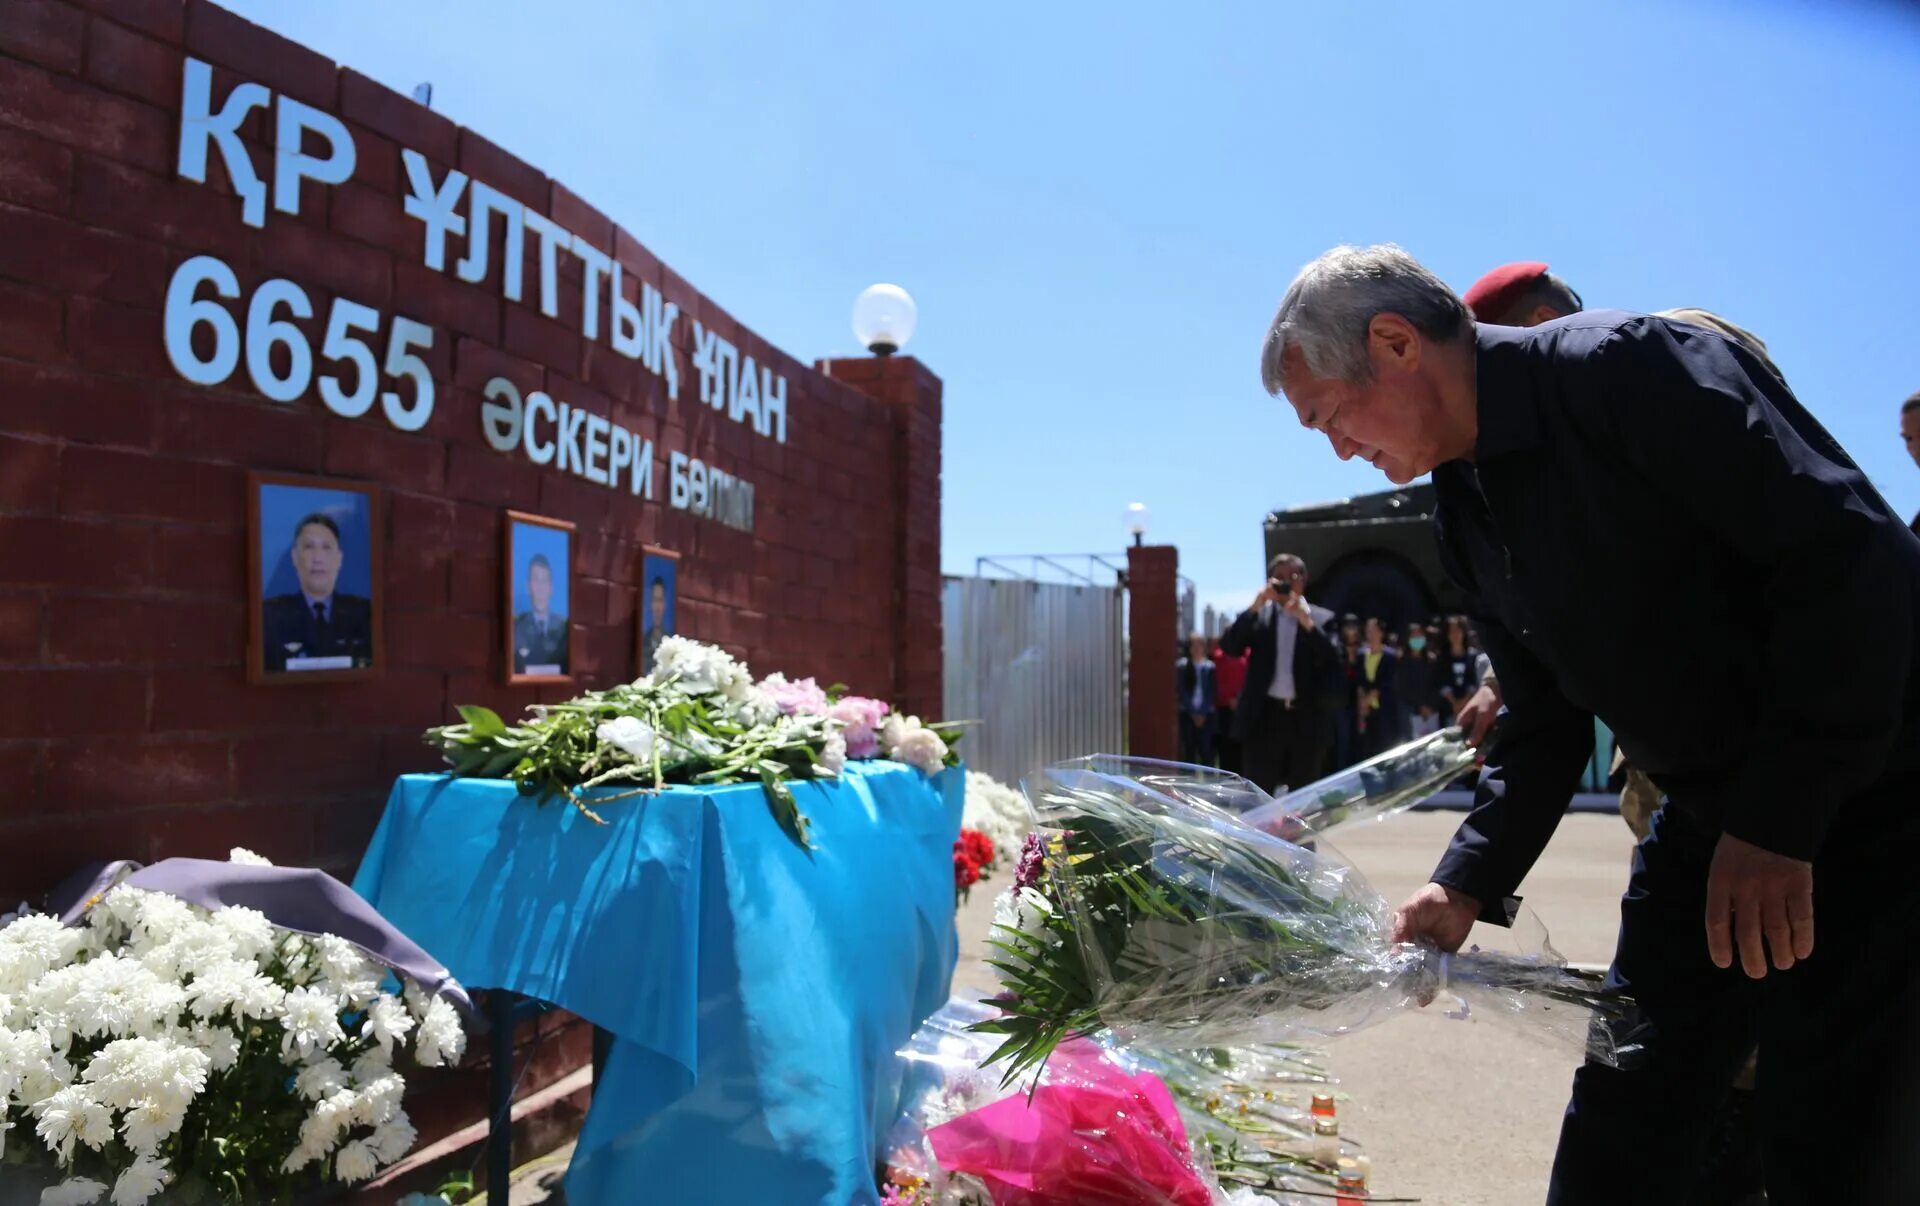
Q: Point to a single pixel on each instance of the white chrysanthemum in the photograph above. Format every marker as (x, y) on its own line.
(236, 985)
(320, 1079)
(33, 945)
(370, 1065)
(297, 959)
(63, 1117)
(149, 1123)
(393, 1138)
(142, 1179)
(246, 857)
(220, 1043)
(379, 1100)
(322, 1130)
(248, 932)
(105, 996)
(700, 669)
(1025, 911)
(833, 757)
(630, 735)
(312, 1022)
(346, 970)
(162, 1072)
(441, 1040)
(75, 1191)
(387, 1022)
(22, 1053)
(998, 811)
(356, 1162)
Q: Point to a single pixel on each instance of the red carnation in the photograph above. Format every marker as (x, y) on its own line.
(979, 847)
(966, 872)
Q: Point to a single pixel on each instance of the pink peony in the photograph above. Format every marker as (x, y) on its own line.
(861, 718)
(801, 697)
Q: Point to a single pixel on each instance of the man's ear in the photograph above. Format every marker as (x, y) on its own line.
(1391, 339)
(1542, 313)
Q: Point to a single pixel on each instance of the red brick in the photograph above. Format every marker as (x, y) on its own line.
(49, 551)
(418, 553)
(122, 630)
(128, 339)
(482, 160)
(342, 829)
(476, 473)
(30, 320)
(165, 19)
(475, 363)
(20, 626)
(259, 54)
(376, 163)
(537, 338)
(575, 498)
(337, 264)
(45, 31)
(166, 209)
(141, 67)
(399, 699)
(371, 449)
(440, 639)
(29, 474)
(43, 400)
(34, 172)
(71, 703)
(374, 218)
(99, 481)
(637, 264)
(201, 561)
(256, 435)
(281, 833)
(96, 776)
(400, 118)
(582, 219)
(445, 301)
(68, 111)
(221, 701)
(37, 855)
(59, 254)
(303, 765)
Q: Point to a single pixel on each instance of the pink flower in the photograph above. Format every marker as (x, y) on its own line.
(862, 718)
(1026, 872)
(801, 697)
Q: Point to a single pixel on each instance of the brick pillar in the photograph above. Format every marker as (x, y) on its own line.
(1153, 619)
(912, 394)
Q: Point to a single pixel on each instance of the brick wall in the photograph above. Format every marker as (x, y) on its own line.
(127, 727)
(1153, 617)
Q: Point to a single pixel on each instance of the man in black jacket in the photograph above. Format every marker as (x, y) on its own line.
(1637, 468)
(1284, 717)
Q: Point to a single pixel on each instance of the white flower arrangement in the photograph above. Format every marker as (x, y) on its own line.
(160, 1044)
(998, 811)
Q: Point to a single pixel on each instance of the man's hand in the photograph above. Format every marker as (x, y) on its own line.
(1296, 606)
(1477, 714)
(1436, 914)
(1265, 597)
(1753, 893)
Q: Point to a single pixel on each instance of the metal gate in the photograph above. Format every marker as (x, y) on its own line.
(1040, 666)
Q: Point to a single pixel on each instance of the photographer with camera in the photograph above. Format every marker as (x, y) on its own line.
(1285, 714)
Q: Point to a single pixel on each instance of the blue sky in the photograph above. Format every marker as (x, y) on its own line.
(1098, 206)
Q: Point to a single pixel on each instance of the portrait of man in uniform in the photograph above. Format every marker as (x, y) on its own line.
(314, 553)
(659, 582)
(539, 563)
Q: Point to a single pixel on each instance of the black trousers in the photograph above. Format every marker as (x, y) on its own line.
(1225, 744)
(1839, 1034)
(1286, 747)
(1196, 739)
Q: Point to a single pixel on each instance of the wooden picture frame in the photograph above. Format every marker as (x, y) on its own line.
(345, 638)
(657, 565)
(538, 649)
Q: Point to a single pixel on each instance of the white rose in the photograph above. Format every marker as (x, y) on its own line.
(246, 858)
(630, 735)
(921, 748)
(833, 757)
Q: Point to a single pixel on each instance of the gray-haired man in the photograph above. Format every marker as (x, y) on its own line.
(1640, 468)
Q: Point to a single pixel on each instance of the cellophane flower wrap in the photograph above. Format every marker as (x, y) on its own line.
(1157, 915)
(160, 1046)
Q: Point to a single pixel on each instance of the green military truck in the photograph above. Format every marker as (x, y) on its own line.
(1370, 555)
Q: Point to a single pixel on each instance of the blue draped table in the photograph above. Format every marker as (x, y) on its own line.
(756, 992)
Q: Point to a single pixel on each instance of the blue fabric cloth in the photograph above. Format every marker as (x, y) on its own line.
(756, 991)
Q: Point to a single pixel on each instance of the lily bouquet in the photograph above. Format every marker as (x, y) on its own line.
(1142, 909)
(699, 718)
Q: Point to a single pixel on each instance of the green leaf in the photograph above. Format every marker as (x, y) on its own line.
(485, 722)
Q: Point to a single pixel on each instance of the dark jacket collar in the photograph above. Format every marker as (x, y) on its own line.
(1508, 420)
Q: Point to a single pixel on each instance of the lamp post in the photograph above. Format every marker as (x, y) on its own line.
(883, 318)
(1137, 518)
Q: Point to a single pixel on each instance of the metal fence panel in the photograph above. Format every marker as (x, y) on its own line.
(1039, 665)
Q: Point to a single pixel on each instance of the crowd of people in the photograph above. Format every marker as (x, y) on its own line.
(1390, 685)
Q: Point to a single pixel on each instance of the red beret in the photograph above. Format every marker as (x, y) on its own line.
(1493, 293)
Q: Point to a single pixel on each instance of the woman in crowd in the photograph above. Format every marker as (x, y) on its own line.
(1377, 703)
(1459, 667)
(1419, 683)
(1195, 677)
(1346, 745)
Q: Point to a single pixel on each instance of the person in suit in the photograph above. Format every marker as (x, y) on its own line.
(1419, 683)
(656, 625)
(539, 634)
(1910, 434)
(317, 622)
(1285, 714)
(1346, 737)
(1195, 675)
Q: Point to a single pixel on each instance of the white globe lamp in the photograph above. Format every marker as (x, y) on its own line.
(884, 318)
(1136, 519)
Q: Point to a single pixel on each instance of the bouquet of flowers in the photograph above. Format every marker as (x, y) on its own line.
(1383, 785)
(973, 857)
(162, 1044)
(698, 718)
(996, 810)
(1141, 908)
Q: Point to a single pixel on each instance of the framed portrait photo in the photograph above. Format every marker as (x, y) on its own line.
(313, 558)
(539, 598)
(659, 599)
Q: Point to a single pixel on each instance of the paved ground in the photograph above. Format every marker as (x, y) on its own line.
(1460, 1113)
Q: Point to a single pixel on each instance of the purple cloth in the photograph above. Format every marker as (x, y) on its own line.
(299, 899)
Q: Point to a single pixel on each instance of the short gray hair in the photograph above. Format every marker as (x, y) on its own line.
(1329, 305)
